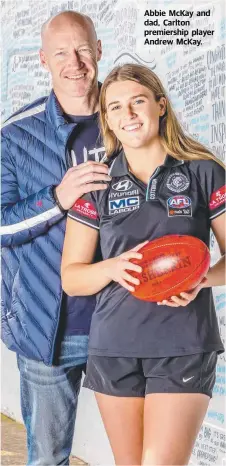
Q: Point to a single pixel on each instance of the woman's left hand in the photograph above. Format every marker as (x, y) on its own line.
(184, 298)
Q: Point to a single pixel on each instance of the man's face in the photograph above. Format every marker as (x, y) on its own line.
(70, 53)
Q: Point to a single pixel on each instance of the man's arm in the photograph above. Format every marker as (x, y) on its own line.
(23, 219)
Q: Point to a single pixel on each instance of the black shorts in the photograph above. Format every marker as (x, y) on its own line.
(137, 377)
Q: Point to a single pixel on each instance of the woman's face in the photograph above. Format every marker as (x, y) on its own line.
(133, 114)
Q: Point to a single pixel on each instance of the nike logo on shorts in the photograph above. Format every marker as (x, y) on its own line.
(186, 380)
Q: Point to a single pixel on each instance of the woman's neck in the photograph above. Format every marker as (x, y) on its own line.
(144, 161)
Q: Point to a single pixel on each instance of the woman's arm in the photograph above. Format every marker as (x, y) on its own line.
(215, 275)
(79, 276)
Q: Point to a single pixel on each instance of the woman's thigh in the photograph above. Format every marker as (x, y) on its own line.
(171, 424)
(123, 421)
(119, 386)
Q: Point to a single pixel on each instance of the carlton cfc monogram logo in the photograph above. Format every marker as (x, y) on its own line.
(177, 182)
(123, 185)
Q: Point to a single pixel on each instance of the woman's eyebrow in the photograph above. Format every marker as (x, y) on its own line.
(114, 102)
(133, 97)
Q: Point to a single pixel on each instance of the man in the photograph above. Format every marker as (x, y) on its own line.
(45, 148)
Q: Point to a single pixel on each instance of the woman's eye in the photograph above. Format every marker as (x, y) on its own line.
(116, 107)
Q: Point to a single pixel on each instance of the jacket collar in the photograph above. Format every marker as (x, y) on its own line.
(55, 112)
(120, 166)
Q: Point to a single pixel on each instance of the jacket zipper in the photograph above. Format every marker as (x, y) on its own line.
(68, 165)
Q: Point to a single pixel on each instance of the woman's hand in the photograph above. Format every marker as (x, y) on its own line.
(117, 267)
(185, 297)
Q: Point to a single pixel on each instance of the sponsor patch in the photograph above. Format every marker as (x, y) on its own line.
(179, 206)
(123, 185)
(127, 204)
(177, 182)
(217, 198)
(85, 208)
(114, 195)
(152, 189)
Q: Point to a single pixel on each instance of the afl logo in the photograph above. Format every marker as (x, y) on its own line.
(123, 185)
(179, 202)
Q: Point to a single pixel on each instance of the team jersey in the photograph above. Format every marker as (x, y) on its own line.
(182, 197)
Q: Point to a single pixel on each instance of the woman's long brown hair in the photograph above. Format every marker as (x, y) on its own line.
(174, 140)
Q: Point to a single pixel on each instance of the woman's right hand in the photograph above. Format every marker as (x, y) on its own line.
(117, 267)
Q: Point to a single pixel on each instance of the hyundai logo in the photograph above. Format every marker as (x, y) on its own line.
(123, 185)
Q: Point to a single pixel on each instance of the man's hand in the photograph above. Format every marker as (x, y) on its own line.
(80, 180)
(185, 297)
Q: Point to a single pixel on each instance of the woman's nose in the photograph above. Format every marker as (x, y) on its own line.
(128, 112)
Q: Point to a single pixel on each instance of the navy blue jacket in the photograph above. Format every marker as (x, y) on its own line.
(35, 157)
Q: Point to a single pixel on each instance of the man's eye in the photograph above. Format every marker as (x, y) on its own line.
(60, 53)
(139, 101)
(84, 50)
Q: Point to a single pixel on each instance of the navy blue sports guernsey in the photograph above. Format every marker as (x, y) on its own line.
(181, 197)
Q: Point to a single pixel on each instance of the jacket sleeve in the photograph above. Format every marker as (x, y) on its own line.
(23, 218)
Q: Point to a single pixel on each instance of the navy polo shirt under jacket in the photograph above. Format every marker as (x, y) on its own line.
(182, 197)
(85, 144)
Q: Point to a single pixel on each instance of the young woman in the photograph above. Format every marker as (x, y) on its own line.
(151, 365)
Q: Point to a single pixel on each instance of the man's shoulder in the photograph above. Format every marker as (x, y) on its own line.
(28, 111)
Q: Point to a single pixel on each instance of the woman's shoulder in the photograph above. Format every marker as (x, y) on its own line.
(205, 166)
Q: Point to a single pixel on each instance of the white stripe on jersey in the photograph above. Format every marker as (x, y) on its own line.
(218, 213)
(83, 221)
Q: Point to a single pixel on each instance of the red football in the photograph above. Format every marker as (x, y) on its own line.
(170, 264)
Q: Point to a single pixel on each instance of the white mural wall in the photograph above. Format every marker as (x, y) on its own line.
(184, 43)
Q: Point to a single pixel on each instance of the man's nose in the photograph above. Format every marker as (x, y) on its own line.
(75, 59)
